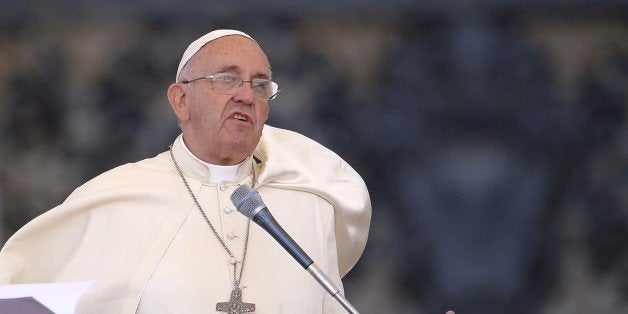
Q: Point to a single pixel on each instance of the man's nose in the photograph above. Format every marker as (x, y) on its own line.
(244, 93)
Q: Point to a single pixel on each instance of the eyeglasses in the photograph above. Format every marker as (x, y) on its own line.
(228, 83)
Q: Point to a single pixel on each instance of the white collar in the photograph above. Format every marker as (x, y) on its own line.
(214, 173)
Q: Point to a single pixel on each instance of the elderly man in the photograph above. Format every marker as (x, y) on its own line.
(161, 235)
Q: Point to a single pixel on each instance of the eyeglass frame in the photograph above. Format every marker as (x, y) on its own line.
(242, 81)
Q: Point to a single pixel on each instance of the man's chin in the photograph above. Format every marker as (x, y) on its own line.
(243, 146)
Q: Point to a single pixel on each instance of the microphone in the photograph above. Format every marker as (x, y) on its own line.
(249, 203)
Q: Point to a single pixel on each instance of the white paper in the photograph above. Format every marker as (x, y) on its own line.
(59, 297)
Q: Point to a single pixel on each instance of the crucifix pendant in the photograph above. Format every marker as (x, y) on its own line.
(235, 304)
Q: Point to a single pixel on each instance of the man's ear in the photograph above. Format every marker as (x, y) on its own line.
(176, 97)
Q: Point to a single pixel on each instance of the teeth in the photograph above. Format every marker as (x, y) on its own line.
(239, 117)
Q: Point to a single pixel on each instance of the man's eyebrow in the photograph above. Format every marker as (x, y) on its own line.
(229, 68)
(236, 69)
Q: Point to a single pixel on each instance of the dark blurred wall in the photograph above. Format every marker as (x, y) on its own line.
(492, 134)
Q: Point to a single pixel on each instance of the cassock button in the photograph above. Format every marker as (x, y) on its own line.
(222, 187)
(227, 210)
(231, 235)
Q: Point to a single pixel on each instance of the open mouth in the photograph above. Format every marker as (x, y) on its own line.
(240, 117)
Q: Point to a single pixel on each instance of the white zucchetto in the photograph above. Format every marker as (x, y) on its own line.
(196, 45)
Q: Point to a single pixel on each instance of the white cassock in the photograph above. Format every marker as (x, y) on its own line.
(137, 231)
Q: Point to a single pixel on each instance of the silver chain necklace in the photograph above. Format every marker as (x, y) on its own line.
(235, 304)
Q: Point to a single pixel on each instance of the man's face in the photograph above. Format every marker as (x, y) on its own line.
(224, 129)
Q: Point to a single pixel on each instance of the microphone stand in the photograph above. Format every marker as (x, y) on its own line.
(330, 287)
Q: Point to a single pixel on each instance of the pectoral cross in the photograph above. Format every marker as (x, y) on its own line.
(235, 304)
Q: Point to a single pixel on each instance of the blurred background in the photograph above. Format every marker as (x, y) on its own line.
(492, 135)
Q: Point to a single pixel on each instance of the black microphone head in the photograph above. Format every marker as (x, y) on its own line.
(247, 200)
